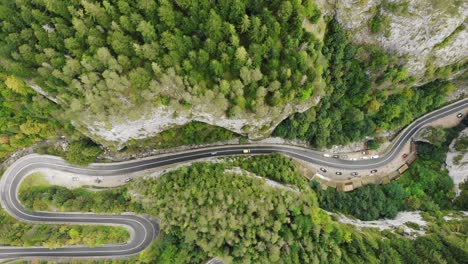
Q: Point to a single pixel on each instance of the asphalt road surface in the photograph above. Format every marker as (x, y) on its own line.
(142, 230)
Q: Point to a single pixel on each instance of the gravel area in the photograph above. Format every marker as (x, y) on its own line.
(389, 224)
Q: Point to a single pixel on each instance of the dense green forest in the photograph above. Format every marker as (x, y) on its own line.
(15, 233)
(25, 116)
(353, 108)
(110, 57)
(214, 213)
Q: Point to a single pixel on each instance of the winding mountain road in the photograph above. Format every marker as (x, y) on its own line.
(143, 231)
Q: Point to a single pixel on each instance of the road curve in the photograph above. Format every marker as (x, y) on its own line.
(142, 230)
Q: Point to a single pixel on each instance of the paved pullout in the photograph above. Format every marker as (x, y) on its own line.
(142, 230)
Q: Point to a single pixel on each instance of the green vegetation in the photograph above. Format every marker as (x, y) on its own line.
(399, 8)
(380, 24)
(35, 194)
(462, 200)
(354, 110)
(275, 167)
(426, 186)
(190, 134)
(25, 117)
(239, 219)
(367, 203)
(461, 144)
(373, 144)
(82, 152)
(110, 58)
(450, 37)
(16, 233)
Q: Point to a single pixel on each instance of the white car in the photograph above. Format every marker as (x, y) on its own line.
(128, 179)
(459, 115)
(245, 151)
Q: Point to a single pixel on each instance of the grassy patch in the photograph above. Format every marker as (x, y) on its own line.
(33, 180)
(450, 37)
(413, 225)
(462, 144)
(15, 233)
(194, 133)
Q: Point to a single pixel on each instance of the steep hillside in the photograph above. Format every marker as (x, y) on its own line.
(426, 34)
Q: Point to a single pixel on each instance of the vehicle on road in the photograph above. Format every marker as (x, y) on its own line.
(459, 115)
(245, 151)
(354, 173)
(373, 171)
(323, 169)
(338, 173)
(214, 153)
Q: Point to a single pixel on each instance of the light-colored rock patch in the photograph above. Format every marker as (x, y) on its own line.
(458, 172)
(413, 35)
(389, 224)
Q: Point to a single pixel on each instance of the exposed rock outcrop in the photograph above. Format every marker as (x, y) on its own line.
(427, 34)
(457, 161)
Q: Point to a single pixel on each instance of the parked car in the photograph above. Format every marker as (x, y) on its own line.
(326, 155)
(322, 169)
(338, 173)
(405, 155)
(354, 173)
(459, 115)
(336, 156)
(373, 171)
(128, 179)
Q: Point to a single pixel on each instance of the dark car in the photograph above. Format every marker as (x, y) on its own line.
(459, 115)
(336, 156)
(338, 173)
(373, 171)
(354, 173)
(322, 169)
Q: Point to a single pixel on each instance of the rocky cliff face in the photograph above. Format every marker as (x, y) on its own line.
(457, 161)
(427, 34)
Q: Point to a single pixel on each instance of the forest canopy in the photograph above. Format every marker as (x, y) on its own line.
(107, 57)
